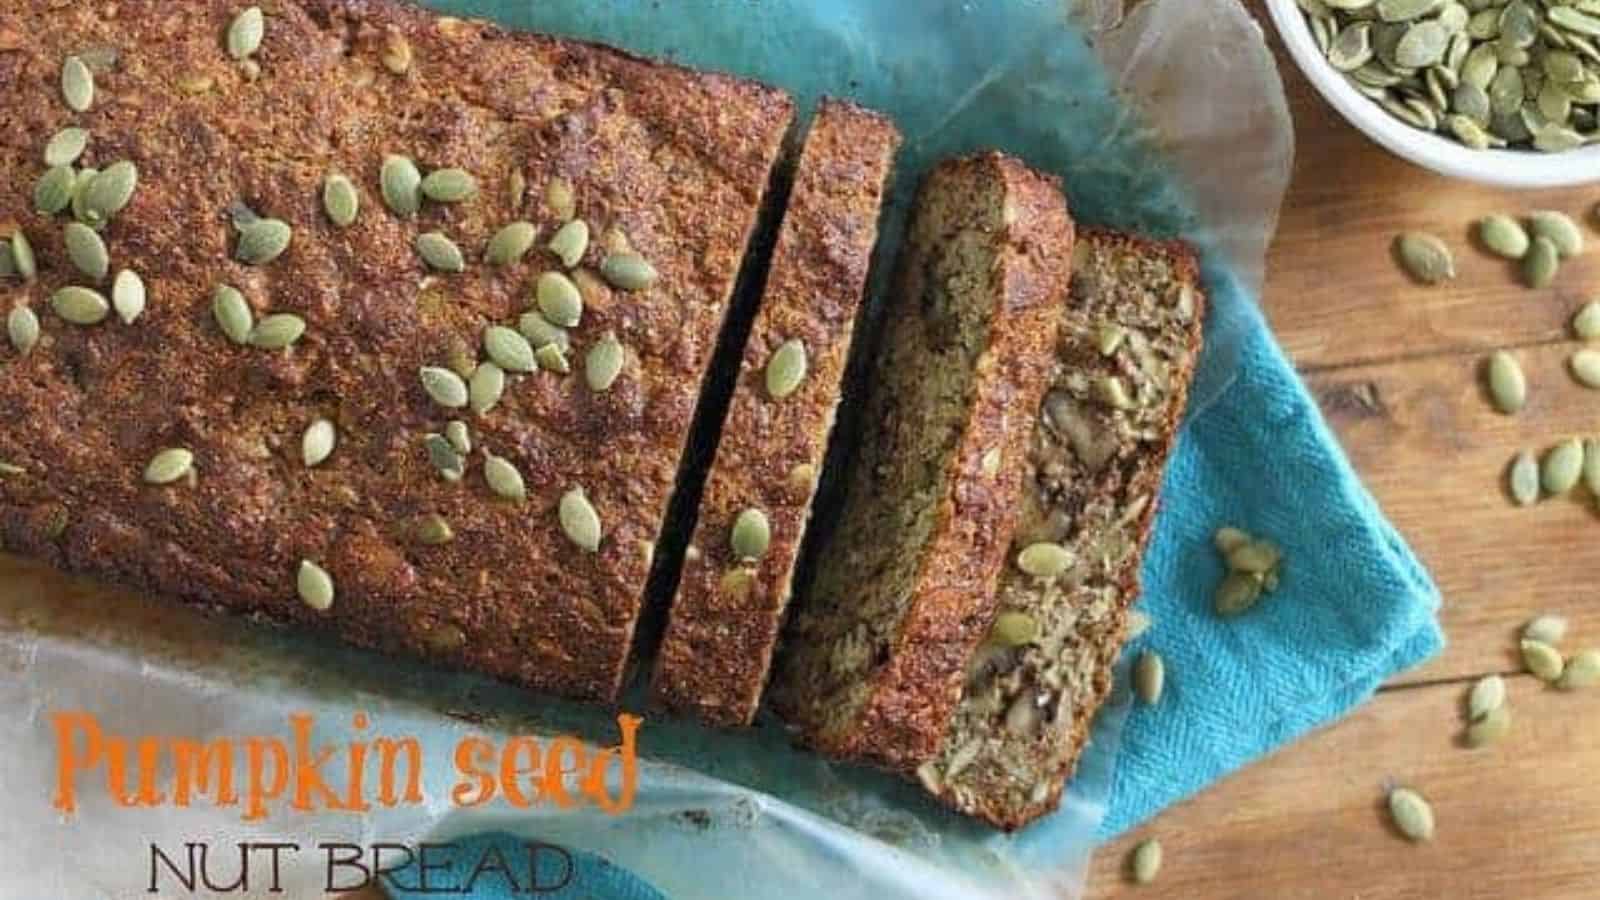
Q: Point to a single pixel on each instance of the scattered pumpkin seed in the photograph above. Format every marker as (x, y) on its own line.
(434, 530)
(52, 193)
(340, 200)
(277, 331)
(108, 192)
(1254, 557)
(1586, 324)
(1238, 593)
(232, 313)
(459, 436)
(551, 358)
(245, 32)
(449, 186)
(511, 244)
(1508, 387)
(604, 363)
(559, 300)
(128, 295)
(562, 202)
(22, 326)
(1562, 467)
(440, 253)
(65, 146)
(1559, 229)
(22, 256)
(1227, 538)
(751, 534)
(87, 251)
(79, 305)
(1585, 366)
(1489, 728)
(168, 465)
(1411, 814)
(1488, 695)
(1504, 236)
(1426, 258)
(570, 242)
(314, 585)
(262, 241)
(1523, 479)
(401, 185)
(508, 349)
(503, 478)
(579, 521)
(1045, 560)
(786, 369)
(1149, 676)
(1582, 671)
(1146, 861)
(1540, 266)
(1546, 629)
(443, 456)
(77, 84)
(317, 444)
(1014, 629)
(628, 271)
(540, 332)
(444, 386)
(487, 386)
(1543, 660)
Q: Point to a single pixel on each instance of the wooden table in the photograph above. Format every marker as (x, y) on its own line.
(1395, 369)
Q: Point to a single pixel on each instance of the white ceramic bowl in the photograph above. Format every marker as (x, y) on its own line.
(1505, 168)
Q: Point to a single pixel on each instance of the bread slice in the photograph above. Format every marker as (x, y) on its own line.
(669, 162)
(1119, 380)
(724, 621)
(904, 587)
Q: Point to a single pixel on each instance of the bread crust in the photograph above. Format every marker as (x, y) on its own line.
(677, 160)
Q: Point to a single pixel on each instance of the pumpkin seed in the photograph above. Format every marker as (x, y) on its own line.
(508, 349)
(1586, 324)
(444, 386)
(80, 306)
(1238, 593)
(168, 466)
(1543, 660)
(440, 253)
(1508, 387)
(401, 185)
(604, 363)
(317, 444)
(628, 271)
(442, 454)
(503, 478)
(53, 191)
(751, 534)
(1585, 366)
(1138, 624)
(1473, 102)
(1352, 48)
(786, 369)
(86, 251)
(1406, 10)
(77, 84)
(540, 332)
(1582, 671)
(1489, 728)
(511, 244)
(1504, 236)
(551, 357)
(560, 199)
(1546, 629)
(22, 256)
(128, 295)
(1045, 560)
(108, 192)
(232, 313)
(570, 242)
(1227, 538)
(1523, 479)
(340, 200)
(459, 436)
(65, 146)
(1146, 861)
(80, 211)
(449, 186)
(487, 386)
(1562, 467)
(1425, 258)
(1411, 814)
(579, 521)
(245, 32)
(433, 530)
(1488, 695)
(1543, 261)
(1149, 675)
(22, 326)
(1422, 45)
(1571, 19)
(559, 300)
(1255, 558)
(277, 331)
(1559, 229)
(314, 585)
(1014, 629)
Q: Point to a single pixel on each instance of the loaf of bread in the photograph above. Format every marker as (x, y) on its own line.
(904, 588)
(1127, 347)
(723, 625)
(321, 206)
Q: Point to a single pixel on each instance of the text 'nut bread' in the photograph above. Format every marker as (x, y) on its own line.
(1119, 379)
(904, 589)
(723, 625)
(368, 373)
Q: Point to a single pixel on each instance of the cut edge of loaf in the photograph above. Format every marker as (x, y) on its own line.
(1136, 315)
(715, 654)
(903, 591)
